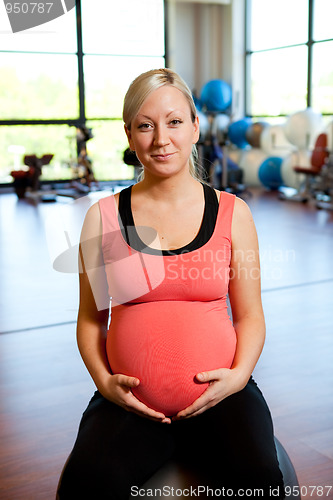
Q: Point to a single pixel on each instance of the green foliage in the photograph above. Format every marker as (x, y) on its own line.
(36, 97)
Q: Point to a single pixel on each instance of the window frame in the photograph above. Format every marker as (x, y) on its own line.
(309, 44)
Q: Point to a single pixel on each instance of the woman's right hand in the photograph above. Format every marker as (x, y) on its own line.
(118, 389)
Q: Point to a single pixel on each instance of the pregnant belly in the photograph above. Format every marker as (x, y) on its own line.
(165, 344)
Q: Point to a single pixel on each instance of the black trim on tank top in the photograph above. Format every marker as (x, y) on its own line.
(204, 234)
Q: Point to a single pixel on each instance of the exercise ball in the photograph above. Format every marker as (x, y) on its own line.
(302, 128)
(254, 132)
(289, 177)
(237, 132)
(181, 477)
(273, 141)
(250, 162)
(216, 95)
(204, 126)
(197, 102)
(220, 126)
(270, 172)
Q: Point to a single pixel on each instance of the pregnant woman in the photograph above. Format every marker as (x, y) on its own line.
(172, 371)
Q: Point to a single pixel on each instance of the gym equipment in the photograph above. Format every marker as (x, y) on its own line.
(237, 132)
(253, 133)
(175, 475)
(81, 166)
(220, 127)
(325, 195)
(83, 134)
(273, 141)
(235, 154)
(250, 162)
(24, 179)
(270, 172)
(216, 95)
(197, 101)
(227, 173)
(308, 189)
(204, 126)
(219, 169)
(213, 148)
(20, 182)
(329, 131)
(303, 127)
(290, 178)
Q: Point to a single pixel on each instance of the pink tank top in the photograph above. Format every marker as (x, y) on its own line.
(169, 318)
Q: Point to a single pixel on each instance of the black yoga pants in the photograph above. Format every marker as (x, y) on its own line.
(115, 450)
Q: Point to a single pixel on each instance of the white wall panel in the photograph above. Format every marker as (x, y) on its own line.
(206, 41)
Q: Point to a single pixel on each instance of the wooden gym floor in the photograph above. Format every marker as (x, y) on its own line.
(44, 386)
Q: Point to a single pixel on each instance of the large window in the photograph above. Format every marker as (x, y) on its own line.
(288, 57)
(72, 71)
(38, 86)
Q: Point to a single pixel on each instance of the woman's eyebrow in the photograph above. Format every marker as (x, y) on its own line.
(141, 116)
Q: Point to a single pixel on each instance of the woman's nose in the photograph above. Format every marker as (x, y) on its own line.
(161, 137)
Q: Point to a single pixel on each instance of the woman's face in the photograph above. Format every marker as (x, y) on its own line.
(162, 133)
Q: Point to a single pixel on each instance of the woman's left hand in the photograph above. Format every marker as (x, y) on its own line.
(222, 383)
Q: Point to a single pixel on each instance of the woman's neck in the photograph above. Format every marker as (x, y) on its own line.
(170, 189)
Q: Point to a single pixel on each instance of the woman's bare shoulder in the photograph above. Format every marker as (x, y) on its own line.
(92, 225)
(242, 210)
(243, 226)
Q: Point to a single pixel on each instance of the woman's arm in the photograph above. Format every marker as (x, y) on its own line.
(248, 317)
(245, 293)
(93, 318)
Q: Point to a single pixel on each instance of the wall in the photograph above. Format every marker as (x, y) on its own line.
(206, 41)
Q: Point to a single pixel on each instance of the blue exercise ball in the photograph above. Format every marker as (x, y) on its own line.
(237, 132)
(197, 102)
(270, 172)
(216, 95)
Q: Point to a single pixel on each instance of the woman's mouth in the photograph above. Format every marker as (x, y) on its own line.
(162, 157)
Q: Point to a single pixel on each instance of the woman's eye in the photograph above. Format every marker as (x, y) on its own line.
(176, 121)
(144, 126)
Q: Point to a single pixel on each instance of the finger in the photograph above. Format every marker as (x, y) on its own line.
(196, 413)
(204, 377)
(205, 401)
(128, 381)
(162, 420)
(191, 413)
(131, 403)
(140, 408)
(201, 402)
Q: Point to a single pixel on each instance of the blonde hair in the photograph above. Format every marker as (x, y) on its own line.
(143, 86)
